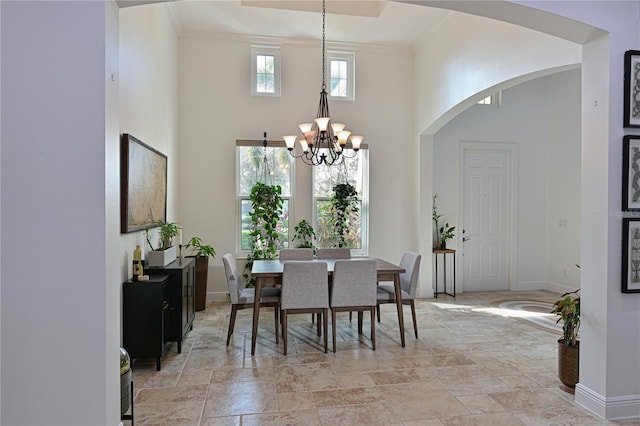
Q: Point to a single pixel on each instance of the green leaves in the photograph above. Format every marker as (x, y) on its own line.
(200, 248)
(345, 203)
(568, 309)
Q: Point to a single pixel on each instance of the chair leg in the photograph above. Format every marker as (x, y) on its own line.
(232, 322)
(319, 326)
(283, 314)
(350, 315)
(275, 314)
(378, 310)
(373, 327)
(360, 319)
(333, 328)
(325, 323)
(413, 314)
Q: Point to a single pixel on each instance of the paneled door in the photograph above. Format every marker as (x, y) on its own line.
(486, 207)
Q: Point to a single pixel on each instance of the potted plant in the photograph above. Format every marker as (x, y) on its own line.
(201, 252)
(568, 310)
(442, 233)
(304, 234)
(165, 252)
(266, 203)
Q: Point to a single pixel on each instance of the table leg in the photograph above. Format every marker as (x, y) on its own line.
(396, 284)
(256, 315)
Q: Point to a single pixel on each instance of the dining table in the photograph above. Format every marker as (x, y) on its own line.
(269, 272)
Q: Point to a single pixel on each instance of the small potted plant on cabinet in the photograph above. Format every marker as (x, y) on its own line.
(568, 310)
(166, 252)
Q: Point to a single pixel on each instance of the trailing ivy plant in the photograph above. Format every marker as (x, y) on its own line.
(344, 203)
(266, 203)
(304, 234)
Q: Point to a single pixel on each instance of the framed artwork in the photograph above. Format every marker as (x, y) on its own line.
(631, 173)
(631, 255)
(632, 88)
(143, 185)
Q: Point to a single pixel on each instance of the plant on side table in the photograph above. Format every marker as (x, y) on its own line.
(202, 252)
(166, 252)
(568, 310)
(442, 233)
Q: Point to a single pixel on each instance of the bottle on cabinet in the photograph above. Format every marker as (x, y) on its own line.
(137, 263)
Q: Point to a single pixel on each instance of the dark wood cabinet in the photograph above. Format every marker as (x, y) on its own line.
(147, 318)
(182, 276)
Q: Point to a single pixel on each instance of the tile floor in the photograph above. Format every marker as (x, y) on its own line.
(474, 364)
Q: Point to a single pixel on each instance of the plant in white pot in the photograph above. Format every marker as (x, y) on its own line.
(165, 252)
(568, 309)
(202, 252)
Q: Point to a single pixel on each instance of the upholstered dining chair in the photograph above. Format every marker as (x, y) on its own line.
(296, 254)
(408, 283)
(334, 253)
(243, 298)
(305, 289)
(354, 289)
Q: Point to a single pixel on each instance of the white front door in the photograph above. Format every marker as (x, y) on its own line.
(486, 197)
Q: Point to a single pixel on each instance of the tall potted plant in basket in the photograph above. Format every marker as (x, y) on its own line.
(568, 310)
(202, 252)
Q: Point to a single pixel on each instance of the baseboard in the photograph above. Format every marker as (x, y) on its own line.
(614, 408)
(217, 296)
(529, 285)
(558, 288)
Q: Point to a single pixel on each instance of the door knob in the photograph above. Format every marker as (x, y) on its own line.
(464, 239)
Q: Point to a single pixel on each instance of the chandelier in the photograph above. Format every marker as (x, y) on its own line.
(323, 142)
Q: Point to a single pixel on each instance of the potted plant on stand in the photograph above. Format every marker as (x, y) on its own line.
(442, 233)
(568, 310)
(202, 253)
(165, 252)
(345, 205)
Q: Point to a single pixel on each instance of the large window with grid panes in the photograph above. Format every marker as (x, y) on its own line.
(275, 166)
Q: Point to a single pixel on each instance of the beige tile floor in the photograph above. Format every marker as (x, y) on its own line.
(473, 364)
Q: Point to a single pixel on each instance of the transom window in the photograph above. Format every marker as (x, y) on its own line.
(265, 74)
(341, 75)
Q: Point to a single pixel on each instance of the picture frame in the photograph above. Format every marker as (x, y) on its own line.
(143, 185)
(631, 255)
(631, 173)
(632, 88)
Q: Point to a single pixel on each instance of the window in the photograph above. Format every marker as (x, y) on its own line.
(341, 75)
(354, 171)
(265, 71)
(251, 158)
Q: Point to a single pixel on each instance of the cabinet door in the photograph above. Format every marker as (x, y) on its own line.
(188, 297)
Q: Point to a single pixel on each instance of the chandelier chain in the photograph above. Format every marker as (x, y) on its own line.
(324, 64)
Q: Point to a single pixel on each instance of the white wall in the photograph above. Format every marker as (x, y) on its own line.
(59, 308)
(216, 108)
(149, 100)
(542, 117)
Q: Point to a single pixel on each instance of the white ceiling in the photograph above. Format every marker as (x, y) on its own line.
(377, 22)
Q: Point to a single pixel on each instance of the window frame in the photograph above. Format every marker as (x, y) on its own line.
(350, 58)
(266, 51)
(364, 207)
(240, 198)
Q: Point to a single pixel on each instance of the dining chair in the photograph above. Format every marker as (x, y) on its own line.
(410, 262)
(243, 298)
(305, 289)
(334, 253)
(354, 289)
(296, 254)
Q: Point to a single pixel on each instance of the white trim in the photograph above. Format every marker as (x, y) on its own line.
(350, 58)
(614, 408)
(266, 51)
(512, 149)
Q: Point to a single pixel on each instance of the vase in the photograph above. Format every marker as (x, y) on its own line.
(161, 258)
(568, 364)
